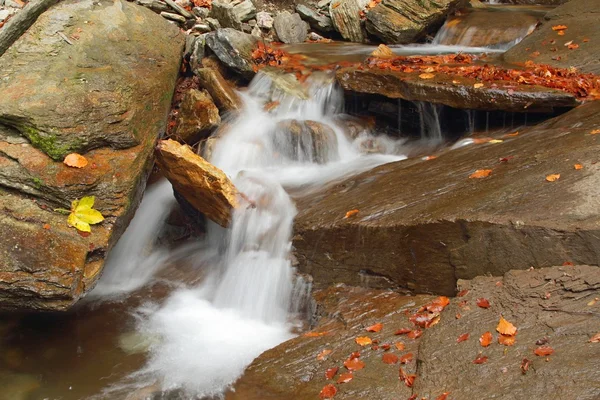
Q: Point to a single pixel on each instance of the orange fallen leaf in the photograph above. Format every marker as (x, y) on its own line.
(478, 85)
(75, 160)
(331, 372)
(573, 46)
(427, 75)
(408, 380)
(512, 134)
(553, 177)
(345, 378)
(543, 351)
(415, 334)
(559, 27)
(480, 359)
(486, 339)
(389, 358)
(46, 226)
(506, 340)
(443, 396)
(462, 338)
(595, 338)
(402, 331)
(363, 340)
(595, 132)
(328, 392)
(321, 356)
(351, 213)
(354, 354)
(354, 364)
(458, 316)
(428, 158)
(568, 264)
(386, 346)
(405, 359)
(315, 334)
(462, 293)
(480, 173)
(399, 345)
(374, 328)
(578, 166)
(561, 33)
(483, 302)
(506, 328)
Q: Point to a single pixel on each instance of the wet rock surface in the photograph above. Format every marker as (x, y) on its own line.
(220, 90)
(344, 17)
(425, 224)
(546, 46)
(406, 21)
(198, 116)
(290, 28)
(234, 49)
(454, 91)
(111, 88)
(550, 306)
(310, 141)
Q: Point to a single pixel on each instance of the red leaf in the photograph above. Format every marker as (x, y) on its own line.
(328, 392)
(525, 365)
(417, 333)
(374, 328)
(462, 293)
(485, 339)
(345, 378)
(443, 396)
(462, 338)
(480, 359)
(543, 351)
(390, 358)
(402, 331)
(483, 303)
(354, 364)
(405, 359)
(331, 372)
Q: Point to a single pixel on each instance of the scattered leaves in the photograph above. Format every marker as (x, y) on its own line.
(595, 132)
(578, 166)
(363, 340)
(405, 359)
(595, 338)
(328, 392)
(331, 372)
(486, 339)
(322, 355)
(399, 345)
(417, 333)
(345, 378)
(483, 302)
(525, 365)
(506, 328)
(543, 351)
(552, 177)
(480, 359)
(354, 364)
(75, 160)
(351, 213)
(462, 338)
(480, 173)
(408, 380)
(374, 328)
(83, 215)
(390, 358)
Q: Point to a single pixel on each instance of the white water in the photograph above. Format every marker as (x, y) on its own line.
(209, 333)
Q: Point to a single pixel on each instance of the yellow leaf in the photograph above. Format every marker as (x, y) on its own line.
(82, 215)
(427, 76)
(506, 328)
(478, 85)
(363, 340)
(383, 52)
(86, 203)
(75, 160)
(90, 216)
(496, 141)
(595, 132)
(78, 224)
(553, 177)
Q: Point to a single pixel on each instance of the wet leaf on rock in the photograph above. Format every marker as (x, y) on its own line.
(462, 338)
(328, 392)
(443, 396)
(382, 51)
(363, 340)
(480, 359)
(408, 380)
(390, 358)
(462, 293)
(354, 364)
(83, 215)
(405, 359)
(427, 75)
(552, 177)
(543, 351)
(483, 302)
(486, 339)
(578, 166)
(331, 372)
(351, 213)
(345, 378)
(374, 328)
(480, 173)
(75, 160)
(525, 365)
(402, 331)
(595, 338)
(506, 328)
(417, 333)
(559, 27)
(399, 345)
(321, 356)
(506, 340)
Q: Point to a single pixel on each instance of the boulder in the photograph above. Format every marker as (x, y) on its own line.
(231, 14)
(110, 90)
(264, 20)
(442, 226)
(197, 117)
(345, 17)
(406, 21)
(546, 306)
(234, 49)
(546, 46)
(316, 20)
(283, 85)
(306, 141)
(454, 91)
(290, 28)
(220, 90)
(200, 183)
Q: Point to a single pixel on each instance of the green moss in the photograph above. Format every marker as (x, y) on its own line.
(38, 183)
(47, 142)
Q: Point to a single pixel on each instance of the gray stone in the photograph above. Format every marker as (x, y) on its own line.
(4, 14)
(13, 4)
(290, 28)
(201, 12)
(213, 23)
(323, 4)
(198, 51)
(345, 19)
(231, 14)
(180, 10)
(264, 20)
(234, 49)
(315, 19)
(202, 28)
(257, 32)
(154, 5)
(173, 17)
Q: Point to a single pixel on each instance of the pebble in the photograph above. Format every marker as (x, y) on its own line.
(202, 28)
(173, 17)
(264, 20)
(201, 12)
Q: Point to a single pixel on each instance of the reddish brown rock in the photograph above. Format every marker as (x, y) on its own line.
(221, 91)
(197, 117)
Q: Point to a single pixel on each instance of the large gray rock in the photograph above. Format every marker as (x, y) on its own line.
(315, 19)
(405, 21)
(109, 90)
(425, 224)
(234, 49)
(231, 14)
(345, 17)
(290, 28)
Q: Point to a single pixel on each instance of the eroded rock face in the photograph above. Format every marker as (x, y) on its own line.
(112, 87)
(454, 91)
(547, 305)
(405, 21)
(203, 185)
(220, 90)
(545, 46)
(290, 28)
(231, 14)
(425, 224)
(234, 49)
(344, 15)
(198, 115)
(306, 141)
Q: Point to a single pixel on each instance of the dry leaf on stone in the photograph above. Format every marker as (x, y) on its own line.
(374, 328)
(363, 340)
(75, 160)
(483, 302)
(390, 358)
(351, 213)
(486, 339)
(553, 177)
(328, 392)
(331, 372)
(506, 328)
(543, 351)
(480, 173)
(321, 356)
(427, 75)
(345, 378)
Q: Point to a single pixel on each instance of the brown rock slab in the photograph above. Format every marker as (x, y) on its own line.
(126, 59)
(425, 224)
(203, 185)
(198, 116)
(345, 17)
(453, 91)
(545, 46)
(220, 90)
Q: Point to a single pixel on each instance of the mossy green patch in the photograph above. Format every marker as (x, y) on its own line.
(49, 144)
(38, 183)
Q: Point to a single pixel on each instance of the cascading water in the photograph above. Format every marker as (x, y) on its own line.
(209, 333)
